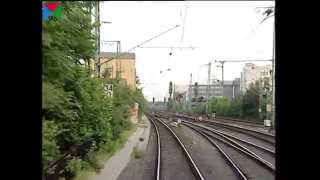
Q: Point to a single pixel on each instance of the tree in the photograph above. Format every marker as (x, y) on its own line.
(78, 117)
(250, 102)
(219, 105)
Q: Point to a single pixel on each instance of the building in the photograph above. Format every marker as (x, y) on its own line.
(205, 91)
(231, 89)
(252, 73)
(119, 64)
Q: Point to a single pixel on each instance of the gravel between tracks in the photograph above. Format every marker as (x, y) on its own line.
(251, 168)
(245, 125)
(241, 135)
(263, 154)
(206, 156)
(174, 165)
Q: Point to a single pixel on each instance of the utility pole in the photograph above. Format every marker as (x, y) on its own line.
(271, 12)
(190, 92)
(97, 33)
(222, 67)
(170, 89)
(232, 90)
(208, 86)
(174, 95)
(118, 65)
(260, 98)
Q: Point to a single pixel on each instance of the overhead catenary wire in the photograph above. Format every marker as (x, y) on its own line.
(254, 29)
(144, 42)
(184, 22)
(153, 37)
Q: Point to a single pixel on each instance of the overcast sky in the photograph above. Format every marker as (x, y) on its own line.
(218, 30)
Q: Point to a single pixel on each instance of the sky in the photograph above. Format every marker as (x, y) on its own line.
(228, 30)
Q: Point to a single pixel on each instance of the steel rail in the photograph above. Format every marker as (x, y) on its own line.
(257, 134)
(159, 149)
(220, 123)
(186, 153)
(251, 130)
(242, 140)
(238, 147)
(238, 170)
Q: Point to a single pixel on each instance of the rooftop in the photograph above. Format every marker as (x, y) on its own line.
(122, 55)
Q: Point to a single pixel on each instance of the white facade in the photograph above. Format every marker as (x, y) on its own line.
(181, 88)
(251, 73)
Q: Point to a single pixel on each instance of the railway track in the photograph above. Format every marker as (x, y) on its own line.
(248, 160)
(250, 167)
(214, 162)
(264, 156)
(270, 139)
(266, 137)
(240, 121)
(171, 162)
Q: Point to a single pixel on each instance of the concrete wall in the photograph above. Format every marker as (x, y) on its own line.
(228, 91)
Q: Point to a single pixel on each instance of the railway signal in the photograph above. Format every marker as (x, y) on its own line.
(170, 88)
(196, 91)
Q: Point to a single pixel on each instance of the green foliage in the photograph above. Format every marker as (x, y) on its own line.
(78, 118)
(137, 154)
(250, 102)
(50, 149)
(176, 106)
(235, 108)
(74, 165)
(220, 105)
